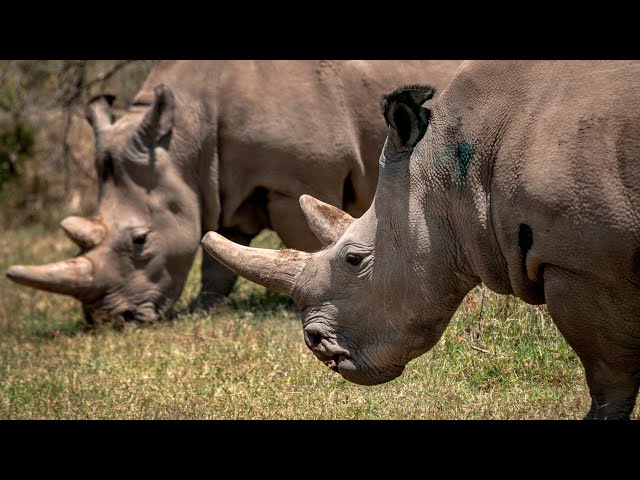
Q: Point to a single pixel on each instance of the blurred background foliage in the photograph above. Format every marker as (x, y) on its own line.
(46, 145)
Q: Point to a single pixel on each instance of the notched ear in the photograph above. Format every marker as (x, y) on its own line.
(158, 120)
(98, 111)
(407, 118)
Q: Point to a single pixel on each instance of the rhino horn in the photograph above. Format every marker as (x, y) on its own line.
(158, 120)
(84, 232)
(73, 276)
(98, 112)
(327, 222)
(274, 269)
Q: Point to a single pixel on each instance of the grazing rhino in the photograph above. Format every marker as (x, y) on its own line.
(521, 175)
(227, 146)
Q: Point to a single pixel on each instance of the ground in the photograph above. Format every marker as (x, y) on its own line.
(499, 359)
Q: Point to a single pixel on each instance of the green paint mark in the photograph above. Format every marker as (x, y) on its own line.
(464, 155)
(457, 152)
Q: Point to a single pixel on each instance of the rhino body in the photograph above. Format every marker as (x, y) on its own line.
(521, 175)
(226, 146)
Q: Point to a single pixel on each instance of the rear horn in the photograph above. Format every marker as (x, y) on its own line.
(84, 232)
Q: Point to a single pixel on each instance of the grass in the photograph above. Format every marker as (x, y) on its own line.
(499, 359)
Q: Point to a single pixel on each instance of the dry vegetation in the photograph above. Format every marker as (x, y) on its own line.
(47, 99)
(499, 358)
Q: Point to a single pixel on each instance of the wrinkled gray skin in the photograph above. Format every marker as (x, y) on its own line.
(227, 146)
(521, 175)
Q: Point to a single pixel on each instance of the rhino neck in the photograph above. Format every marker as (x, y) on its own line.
(467, 128)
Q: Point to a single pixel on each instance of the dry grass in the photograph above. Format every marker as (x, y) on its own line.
(247, 360)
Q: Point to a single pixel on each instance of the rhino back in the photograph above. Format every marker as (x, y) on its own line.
(287, 127)
(315, 125)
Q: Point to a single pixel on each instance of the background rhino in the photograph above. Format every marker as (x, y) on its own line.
(227, 146)
(521, 175)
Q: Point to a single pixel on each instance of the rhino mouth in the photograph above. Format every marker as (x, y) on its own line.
(334, 362)
(353, 370)
(352, 364)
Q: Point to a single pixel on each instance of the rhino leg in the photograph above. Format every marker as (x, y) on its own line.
(602, 324)
(217, 280)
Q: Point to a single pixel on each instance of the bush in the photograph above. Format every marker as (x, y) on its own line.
(16, 145)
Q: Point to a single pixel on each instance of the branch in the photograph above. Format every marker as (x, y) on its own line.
(483, 350)
(102, 78)
(478, 348)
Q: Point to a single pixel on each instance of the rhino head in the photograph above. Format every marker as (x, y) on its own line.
(136, 250)
(382, 290)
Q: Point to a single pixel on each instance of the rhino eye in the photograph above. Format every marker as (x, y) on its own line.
(354, 259)
(140, 239)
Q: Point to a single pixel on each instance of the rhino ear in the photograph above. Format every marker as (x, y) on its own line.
(405, 116)
(98, 112)
(158, 120)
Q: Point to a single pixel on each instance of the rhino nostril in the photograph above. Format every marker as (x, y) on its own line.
(312, 337)
(316, 339)
(128, 316)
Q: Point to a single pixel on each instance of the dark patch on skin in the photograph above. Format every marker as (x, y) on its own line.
(525, 238)
(464, 155)
(635, 264)
(525, 242)
(457, 150)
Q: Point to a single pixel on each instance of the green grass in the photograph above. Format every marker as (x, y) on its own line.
(499, 359)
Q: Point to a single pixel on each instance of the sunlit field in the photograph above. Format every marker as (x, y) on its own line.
(246, 359)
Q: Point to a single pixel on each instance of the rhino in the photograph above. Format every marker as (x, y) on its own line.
(226, 146)
(522, 175)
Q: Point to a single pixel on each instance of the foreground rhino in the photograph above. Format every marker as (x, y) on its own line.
(226, 146)
(521, 175)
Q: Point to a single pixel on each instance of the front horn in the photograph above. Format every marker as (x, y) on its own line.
(274, 269)
(85, 232)
(73, 276)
